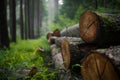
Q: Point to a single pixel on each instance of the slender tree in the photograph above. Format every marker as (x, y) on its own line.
(38, 18)
(96, 4)
(104, 3)
(21, 20)
(31, 19)
(4, 39)
(26, 17)
(13, 20)
(40, 15)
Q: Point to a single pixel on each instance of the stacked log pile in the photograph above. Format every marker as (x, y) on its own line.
(94, 44)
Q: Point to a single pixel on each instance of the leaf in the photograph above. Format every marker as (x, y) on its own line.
(76, 65)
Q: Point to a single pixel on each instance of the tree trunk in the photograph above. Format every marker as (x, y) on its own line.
(21, 20)
(98, 67)
(100, 29)
(31, 17)
(26, 18)
(96, 4)
(37, 20)
(104, 3)
(4, 39)
(13, 20)
(72, 31)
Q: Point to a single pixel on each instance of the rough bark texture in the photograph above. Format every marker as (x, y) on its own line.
(72, 31)
(57, 57)
(113, 54)
(99, 29)
(58, 40)
(73, 52)
(98, 67)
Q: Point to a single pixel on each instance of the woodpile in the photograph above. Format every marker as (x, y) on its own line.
(93, 44)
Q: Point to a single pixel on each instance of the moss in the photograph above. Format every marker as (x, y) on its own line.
(108, 23)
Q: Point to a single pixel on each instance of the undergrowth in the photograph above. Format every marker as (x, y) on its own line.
(24, 54)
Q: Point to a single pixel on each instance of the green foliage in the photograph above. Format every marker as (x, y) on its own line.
(61, 22)
(24, 54)
(107, 10)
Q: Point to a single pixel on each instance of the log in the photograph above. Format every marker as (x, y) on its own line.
(58, 40)
(99, 29)
(113, 53)
(57, 57)
(98, 67)
(49, 35)
(56, 33)
(72, 31)
(58, 62)
(72, 52)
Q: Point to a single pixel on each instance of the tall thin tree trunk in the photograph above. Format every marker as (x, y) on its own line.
(96, 4)
(104, 3)
(40, 15)
(4, 39)
(21, 20)
(56, 6)
(13, 20)
(26, 18)
(31, 19)
(38, 18)
(28, 9)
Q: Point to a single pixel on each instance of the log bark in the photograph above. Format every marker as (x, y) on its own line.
(98, 67)
(113, 54)
(72, 52)
(58, 40)
(57, 57)
(100, 29)
(72, 31)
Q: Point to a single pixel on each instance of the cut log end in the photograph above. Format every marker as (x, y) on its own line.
(56, 33)
(98, 67)
(89, 25)
(65, 53)
(49, 35)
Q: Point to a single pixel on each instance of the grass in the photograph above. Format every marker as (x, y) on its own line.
(23, 54)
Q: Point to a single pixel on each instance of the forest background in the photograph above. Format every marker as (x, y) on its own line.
(25, 23)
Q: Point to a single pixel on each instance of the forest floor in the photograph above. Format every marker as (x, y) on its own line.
(18, 61)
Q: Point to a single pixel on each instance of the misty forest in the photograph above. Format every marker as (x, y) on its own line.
(60, 40)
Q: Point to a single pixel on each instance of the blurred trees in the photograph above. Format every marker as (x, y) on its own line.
(22, 30)
(4, 40)
(24, 18)
(12, 4)
(71, 10)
